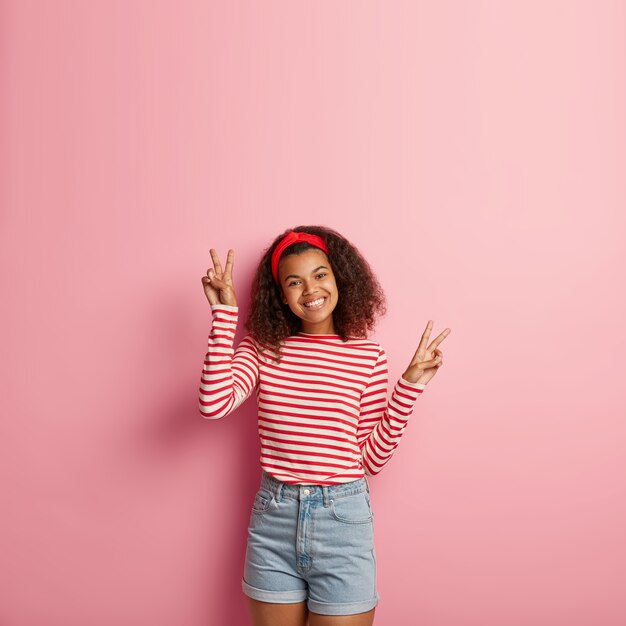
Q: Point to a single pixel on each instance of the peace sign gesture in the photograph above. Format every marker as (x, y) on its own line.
(426, 360)
(218, 284)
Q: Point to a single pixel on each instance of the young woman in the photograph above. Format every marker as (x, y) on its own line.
(324, 421)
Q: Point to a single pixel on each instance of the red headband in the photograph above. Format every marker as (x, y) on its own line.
(291, 237)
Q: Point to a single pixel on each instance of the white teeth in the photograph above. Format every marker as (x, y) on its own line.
(315, 303)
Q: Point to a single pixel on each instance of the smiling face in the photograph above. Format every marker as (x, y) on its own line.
(309, 289)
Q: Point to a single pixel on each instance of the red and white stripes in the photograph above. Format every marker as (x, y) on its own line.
(323, 413)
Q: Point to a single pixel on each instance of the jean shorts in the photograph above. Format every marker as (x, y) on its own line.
(313, 543)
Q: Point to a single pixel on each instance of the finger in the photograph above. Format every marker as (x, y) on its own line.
(211, 276)
(439, 338)
(229, 263)
(216, 262)
(208, 286)
(217, 283)
(424, 365)
(422, 344)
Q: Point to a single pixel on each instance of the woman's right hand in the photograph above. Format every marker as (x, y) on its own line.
(218, 285)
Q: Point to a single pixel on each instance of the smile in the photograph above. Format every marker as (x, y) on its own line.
(315, 304)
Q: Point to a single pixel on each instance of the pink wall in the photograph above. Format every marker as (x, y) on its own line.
(475, 152)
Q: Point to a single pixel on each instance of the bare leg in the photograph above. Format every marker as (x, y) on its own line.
(274, 614)
(358, 619)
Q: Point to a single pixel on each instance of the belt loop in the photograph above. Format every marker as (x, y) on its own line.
(279, 488)
(326, 496)
(367, 485)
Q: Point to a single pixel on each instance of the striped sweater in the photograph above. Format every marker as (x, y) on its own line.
(323, 413)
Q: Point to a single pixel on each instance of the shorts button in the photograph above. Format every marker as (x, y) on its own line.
(306, 492)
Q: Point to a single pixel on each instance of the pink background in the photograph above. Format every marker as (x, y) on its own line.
(474, 151)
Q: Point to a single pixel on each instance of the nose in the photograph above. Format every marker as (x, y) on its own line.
(309, 288)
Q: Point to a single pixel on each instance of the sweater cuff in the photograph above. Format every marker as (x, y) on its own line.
(408, 383)
(224, 307)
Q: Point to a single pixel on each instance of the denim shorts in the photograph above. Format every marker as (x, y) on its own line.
(313, 543)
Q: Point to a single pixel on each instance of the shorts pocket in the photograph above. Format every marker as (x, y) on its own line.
(262, 501)
(354, 509)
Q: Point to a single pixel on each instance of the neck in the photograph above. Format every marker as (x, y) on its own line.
(325, 327)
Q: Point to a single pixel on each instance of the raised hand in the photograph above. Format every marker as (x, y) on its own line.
(218, 284)
(426, 360)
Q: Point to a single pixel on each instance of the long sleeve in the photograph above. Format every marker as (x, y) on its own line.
(228, 376)
(382, 423)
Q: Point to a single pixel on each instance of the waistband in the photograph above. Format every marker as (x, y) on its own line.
(324, 493)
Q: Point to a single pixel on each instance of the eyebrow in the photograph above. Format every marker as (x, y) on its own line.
(313, 272)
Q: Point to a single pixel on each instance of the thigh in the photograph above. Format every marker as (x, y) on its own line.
(360, 619)
(271, 614)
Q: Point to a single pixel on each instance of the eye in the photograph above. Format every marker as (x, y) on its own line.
(293, 282)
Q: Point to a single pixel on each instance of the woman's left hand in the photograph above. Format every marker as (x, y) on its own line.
(426, 360)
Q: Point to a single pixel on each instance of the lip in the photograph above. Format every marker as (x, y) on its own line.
(315, 308)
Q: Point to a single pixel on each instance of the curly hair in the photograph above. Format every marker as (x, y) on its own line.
(361, 298)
